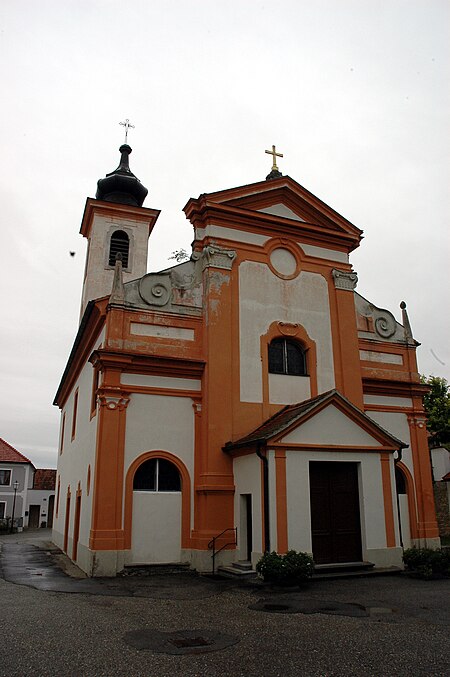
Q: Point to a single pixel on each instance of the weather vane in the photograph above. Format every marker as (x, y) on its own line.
(127, 126)
(274, 155)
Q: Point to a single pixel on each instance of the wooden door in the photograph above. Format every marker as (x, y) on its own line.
(335, 520)
(34, 515)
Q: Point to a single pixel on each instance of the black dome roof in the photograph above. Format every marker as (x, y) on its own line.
(122, 185)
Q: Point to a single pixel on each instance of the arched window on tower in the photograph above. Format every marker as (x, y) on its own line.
(287, 357)
(157, 474)
(120, 244)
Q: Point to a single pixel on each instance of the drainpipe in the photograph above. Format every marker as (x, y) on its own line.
(263, 457)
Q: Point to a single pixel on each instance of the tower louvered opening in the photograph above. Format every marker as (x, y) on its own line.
(120, 244)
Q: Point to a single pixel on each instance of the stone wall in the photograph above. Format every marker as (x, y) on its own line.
(441, 499)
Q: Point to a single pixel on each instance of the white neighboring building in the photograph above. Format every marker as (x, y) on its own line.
(32, 498)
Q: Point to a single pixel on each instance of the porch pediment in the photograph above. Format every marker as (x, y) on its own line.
(328, 420)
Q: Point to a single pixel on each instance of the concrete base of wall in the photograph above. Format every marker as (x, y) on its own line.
(384, 557)
(201, 560)
(433, 543)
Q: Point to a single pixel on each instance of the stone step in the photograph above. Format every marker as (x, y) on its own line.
(361, 573)
(243, 564)
(235, 572)
(339, 567)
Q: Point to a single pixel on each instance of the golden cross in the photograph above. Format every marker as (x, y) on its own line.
(274, 155)
(127, 126)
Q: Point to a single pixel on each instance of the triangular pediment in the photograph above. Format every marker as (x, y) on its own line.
(330, 427)
(280, 203)
(328, 420)
(279, 209)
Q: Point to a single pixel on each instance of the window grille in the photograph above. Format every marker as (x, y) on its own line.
(120, 244)
(287, 357)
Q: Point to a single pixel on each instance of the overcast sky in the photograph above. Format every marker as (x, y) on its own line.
(353, 92)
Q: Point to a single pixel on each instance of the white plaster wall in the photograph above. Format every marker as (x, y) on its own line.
(330, 426)
(265, 298)
(40, 497)
(396, 423)
(324, 253)
(233, 234)
(73, 463)
(440, 460)
(247, 480)
(143, 329)
(374, 356)
(161, 382)
(388, 400)
(373, 530)
(156, 529)
(285, 389)
(163, 423)
(280, 209)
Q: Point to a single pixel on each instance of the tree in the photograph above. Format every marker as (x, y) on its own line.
(437, 406)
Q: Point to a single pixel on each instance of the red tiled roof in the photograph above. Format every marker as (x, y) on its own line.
(44, 479)
(10, 455)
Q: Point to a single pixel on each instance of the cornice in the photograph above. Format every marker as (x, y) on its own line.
(91, 324)
(115, 209)
(374, 386)
(147, 364)
(205, 212)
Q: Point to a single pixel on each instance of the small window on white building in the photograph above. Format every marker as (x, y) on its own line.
(5, 478)
(2, 510)
(157, 474)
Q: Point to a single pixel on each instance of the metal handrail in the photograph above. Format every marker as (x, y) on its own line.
(212, 545)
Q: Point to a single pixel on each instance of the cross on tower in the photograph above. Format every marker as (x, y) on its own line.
(127, 126)
(274, 155)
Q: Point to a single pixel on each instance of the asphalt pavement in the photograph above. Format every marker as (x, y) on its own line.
(52, 623)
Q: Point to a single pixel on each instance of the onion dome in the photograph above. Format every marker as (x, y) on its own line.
(122, 185)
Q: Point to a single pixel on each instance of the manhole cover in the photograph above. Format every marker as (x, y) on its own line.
(180, 642)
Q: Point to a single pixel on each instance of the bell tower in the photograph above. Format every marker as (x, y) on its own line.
(115, 222)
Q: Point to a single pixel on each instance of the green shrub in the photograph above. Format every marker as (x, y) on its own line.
(289, 569)
(426, 563)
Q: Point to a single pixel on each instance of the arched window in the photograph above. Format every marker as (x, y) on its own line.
(287, 357)
(157, 474)
(120, 244)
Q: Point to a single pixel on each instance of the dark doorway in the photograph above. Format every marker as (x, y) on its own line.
(76, 527)
(66, 523)
(51, 506)
(335, 521)
(34, 515)
(246, 528)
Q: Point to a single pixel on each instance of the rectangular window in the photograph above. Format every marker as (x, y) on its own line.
(74, 414)
(2, 510)
(63, 428)
(5, 478)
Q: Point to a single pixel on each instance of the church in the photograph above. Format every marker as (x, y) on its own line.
(245, 400)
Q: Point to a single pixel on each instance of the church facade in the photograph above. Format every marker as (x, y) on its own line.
(249, 390)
